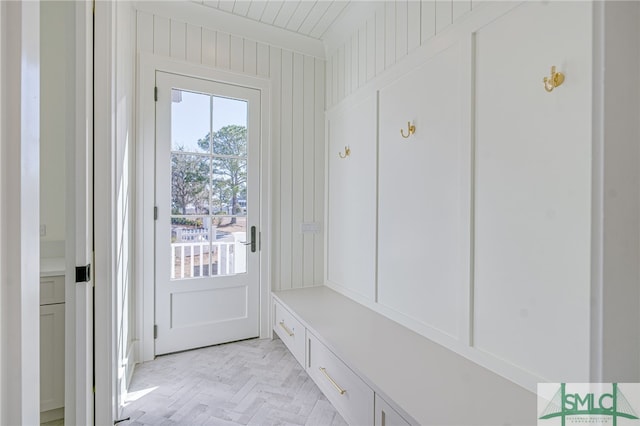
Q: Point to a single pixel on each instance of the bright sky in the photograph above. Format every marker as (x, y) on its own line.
(190, 119)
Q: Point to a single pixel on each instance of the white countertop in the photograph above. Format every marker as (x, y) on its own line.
(52, 266)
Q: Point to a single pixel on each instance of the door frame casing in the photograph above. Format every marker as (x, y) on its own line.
(148, 64)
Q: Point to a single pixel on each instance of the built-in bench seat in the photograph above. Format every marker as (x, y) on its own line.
(376, 371)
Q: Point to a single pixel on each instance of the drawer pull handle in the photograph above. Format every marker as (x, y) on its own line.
(333, 382)
(289, 332)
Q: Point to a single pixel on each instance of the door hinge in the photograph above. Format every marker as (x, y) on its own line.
(155, 213)
(155, 93)
(155, 331)
(83, 274)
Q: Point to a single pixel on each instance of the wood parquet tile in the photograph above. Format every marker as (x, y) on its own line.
(253, 382)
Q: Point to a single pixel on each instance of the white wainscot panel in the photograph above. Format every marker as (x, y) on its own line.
(533, 203)
(351, 224)
(424, 193)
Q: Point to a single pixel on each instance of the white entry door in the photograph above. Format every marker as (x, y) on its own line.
(207, 199)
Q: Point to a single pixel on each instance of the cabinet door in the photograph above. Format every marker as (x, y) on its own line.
(532, 190)
(291, 332)
(51, 290)
(424, 192)
(351, 221)
(386, 416)
(51, 357)
(348, 393)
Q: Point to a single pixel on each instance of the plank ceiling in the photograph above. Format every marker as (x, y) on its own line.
(307, 17)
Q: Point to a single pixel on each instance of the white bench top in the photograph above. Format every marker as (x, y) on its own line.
(432, 384)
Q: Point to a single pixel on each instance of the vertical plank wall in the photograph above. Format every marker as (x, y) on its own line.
(297, 131)
(383, 39)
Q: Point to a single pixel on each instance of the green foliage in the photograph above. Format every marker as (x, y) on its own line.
(189, 182)
(190, 185)
(230, 169)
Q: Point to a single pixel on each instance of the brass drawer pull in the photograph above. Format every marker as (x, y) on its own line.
(289, 332)
(333, 382)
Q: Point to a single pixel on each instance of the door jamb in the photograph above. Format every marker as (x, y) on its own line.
(148, 64)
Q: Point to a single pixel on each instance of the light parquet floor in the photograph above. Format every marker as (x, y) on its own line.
(253, 382)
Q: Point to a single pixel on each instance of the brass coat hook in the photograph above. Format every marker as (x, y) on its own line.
(347, 152)
(553, 81)
(411, 128)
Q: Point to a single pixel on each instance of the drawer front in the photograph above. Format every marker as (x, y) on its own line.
(347, 392)
(290, 331)
(51, 290)
(387, 416)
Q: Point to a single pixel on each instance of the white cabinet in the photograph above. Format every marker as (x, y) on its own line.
(51, 290)
(351, 204)
(290, 331)
(533, 190)
(52, 315)
(423, 201)
(385, 415)
(347, 392)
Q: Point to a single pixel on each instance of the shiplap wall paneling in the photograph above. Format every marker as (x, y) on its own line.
(307, 154)
(297, 123)
(319, 168)
(223, 40)
(413, 25)
(348, 66)
(427, 20)
(370, 52)
(297, 166)
(389, 34)
(444, 14)
(379, 41)
(263, 60)
(383, 39)
(209, 46)
(285, 185)
(402, 29)
(178, 39)
(194, 44)
(362, 55)
(161, 31)
(351, 218)
(424, 193)
(275, 70)
(236, 54)
(460, 7)
(250, 59)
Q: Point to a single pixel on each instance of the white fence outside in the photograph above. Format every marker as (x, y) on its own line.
(193, 256)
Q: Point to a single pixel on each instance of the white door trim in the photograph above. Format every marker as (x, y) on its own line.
(104, 206)
(78, 407)
(148, 64)
(20, 217)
